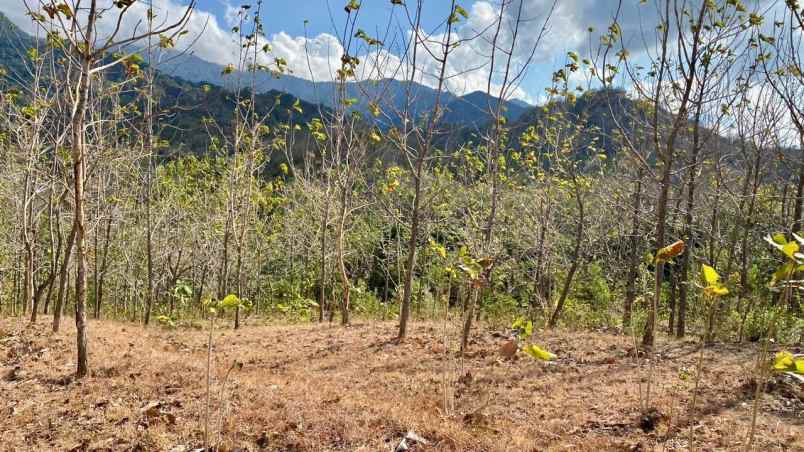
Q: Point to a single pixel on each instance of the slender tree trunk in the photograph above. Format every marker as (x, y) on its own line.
(78, 155)
(799, 201)
(633, 255)
(671, 306)
(661, 217)
(341, 258)
(410, 261)
(322, 268)
(56, 244)
(28, 239)
(149, 254)
(468, 315)
(100, 275)
(576, 257)
(64, 273)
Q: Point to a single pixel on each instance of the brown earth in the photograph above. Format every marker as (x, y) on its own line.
(327, 388)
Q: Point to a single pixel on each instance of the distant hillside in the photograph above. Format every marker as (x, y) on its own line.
(390, 94)
(183, 104)
(13, 47)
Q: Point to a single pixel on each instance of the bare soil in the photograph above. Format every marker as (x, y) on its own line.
(328, 388)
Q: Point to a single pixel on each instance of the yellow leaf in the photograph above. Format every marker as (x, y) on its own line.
(790, 249)
(710, 276)
(716, 291)
(783, 361)
(539, 353)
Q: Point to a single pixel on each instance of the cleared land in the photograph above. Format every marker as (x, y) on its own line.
(322, 387)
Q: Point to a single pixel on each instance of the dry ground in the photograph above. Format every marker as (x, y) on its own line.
(326, 388)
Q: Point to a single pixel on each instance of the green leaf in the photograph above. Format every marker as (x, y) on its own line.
(790, 249)
(523, 327)
(539, 353)
(782, 273)
(459, 11)
(374, 109)
(230, 301)
(529, 328)
(778, 239)
(353, 5)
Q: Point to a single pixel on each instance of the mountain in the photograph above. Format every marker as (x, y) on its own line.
(390, 94)
(184, 105)
(14, 44)
(473, 109)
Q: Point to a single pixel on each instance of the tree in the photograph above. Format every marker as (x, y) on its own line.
(85, 49)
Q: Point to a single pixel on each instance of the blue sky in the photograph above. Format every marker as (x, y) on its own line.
(286, 18)
(316, 55)
(289, 15)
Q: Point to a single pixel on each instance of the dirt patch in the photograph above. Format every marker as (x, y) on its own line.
(327, 388)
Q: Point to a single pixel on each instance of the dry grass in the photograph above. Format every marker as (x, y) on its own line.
(326, 388)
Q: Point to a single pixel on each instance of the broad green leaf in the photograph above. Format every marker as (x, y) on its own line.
(529, 328)
(776, 239)
(782, 273)
(230, 301)
(790, 249)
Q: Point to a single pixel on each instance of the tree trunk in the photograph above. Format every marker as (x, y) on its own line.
(576, 258)
(468, 315)
(671, 305)
(410, 261)
(661, 217)
(341, 258)
(64, 273)
(104, 266)
(322, 268)
(78, 154)
(799, 202)
(633, 255)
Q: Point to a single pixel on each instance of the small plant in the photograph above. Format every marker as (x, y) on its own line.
(166, 321)
(663, 256)
(781, 280)
(180, 295)
(712, 290)
(476, 272)
(789, 363)
(215, 309)
(523, 329)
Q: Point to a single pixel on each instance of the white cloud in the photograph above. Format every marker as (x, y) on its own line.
(318, 57)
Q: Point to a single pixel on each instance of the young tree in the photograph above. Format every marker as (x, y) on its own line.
(86, 47)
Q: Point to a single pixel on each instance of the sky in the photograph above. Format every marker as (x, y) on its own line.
(305, 33)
